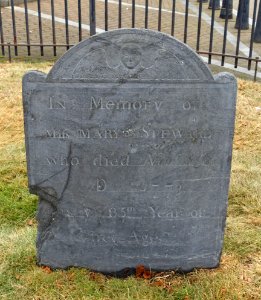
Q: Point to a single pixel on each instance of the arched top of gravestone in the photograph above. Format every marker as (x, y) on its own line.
(127, 55)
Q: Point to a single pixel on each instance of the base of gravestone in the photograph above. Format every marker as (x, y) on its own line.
(242, 27)
(127, 272)
(257, 39)
(215, 3)
(223, 14)
(257, 34)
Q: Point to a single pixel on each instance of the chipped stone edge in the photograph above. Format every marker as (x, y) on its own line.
(33, 78)
(29, 83)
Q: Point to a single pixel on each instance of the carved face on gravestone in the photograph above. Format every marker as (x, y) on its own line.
(131, 55)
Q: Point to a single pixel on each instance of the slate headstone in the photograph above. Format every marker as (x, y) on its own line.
(129, 142)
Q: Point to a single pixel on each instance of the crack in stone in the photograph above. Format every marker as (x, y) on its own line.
(48, 206)
(45, 180)
(69, 173)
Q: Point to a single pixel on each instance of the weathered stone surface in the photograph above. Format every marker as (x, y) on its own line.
(129, 141)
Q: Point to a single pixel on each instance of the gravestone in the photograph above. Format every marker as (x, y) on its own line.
(128, 142)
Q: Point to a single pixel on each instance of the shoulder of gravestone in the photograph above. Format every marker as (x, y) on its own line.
(225, 77)
(34, 76)
(229, 81)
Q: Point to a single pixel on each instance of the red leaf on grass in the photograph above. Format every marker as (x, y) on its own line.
(46, 269)
(139, 271)
(142, 272)
(30, 222)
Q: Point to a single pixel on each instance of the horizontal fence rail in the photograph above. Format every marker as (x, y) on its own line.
(225, 33)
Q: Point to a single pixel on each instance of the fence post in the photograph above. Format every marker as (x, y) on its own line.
(215, 3)
(257, 34)
(223, 13)
(242, 15)
(92, 14)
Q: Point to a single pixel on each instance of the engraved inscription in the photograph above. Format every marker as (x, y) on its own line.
(58, 134)
(111, 238)
(56, 104)
(101, 185)
(101, 103)
(63, 161)
(134, 212)
(180, 135)
(103, 161)
(129, 103)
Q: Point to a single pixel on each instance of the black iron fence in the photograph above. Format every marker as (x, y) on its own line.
(207, 26)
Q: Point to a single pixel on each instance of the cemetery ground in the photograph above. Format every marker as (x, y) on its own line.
(239, 275)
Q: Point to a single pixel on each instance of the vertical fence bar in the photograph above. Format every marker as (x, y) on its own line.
(186, 22)
(80, 20)
(211, 33)
(159, 16)
(133, 14)
(92, 13)
(173, 15)
(14, 27)
(239, 31)
(119, 14)
(106, 14)
(66, 24)
(2, 33)
(146, 13)
(252, 35)
(27, 28)
(225, 34)
(256, 66)
(40, 26)
(9, 53)
(53, 28)
(199, 24)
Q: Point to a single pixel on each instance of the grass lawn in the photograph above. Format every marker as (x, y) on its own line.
(239, 275)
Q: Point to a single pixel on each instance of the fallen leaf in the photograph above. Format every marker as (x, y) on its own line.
(139, 271)
(46, 269)
(30, 222)
(142, 272)
(147, 274)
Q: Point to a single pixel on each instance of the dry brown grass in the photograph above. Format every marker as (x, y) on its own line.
(11, 111)
(248, 119)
